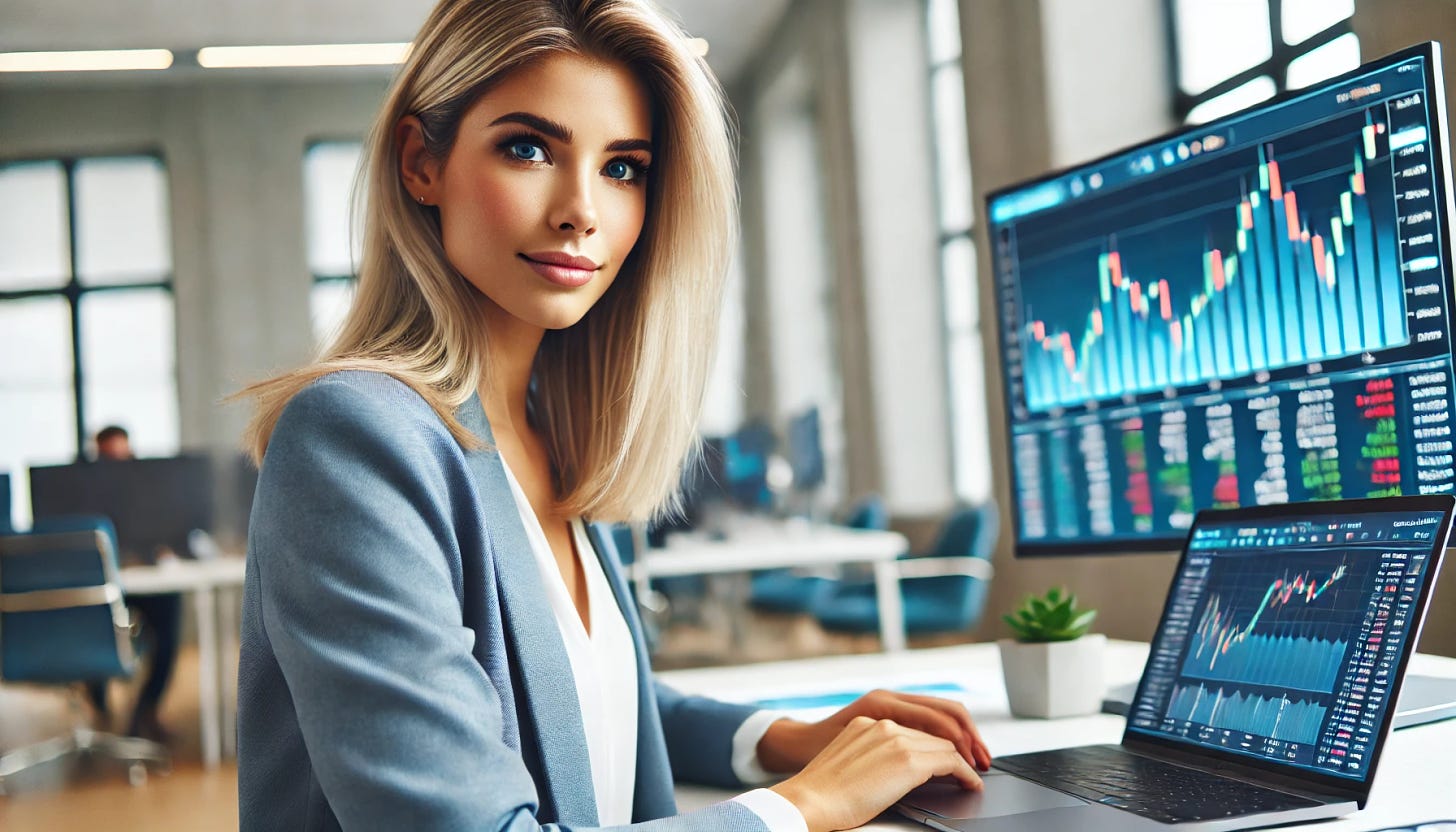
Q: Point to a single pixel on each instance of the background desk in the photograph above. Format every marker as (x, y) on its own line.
(755, 545)
(201, 579)
(1416, 779)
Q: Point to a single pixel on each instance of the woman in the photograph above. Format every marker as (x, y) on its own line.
(433, 637)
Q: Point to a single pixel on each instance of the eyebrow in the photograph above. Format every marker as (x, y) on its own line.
(562, 133)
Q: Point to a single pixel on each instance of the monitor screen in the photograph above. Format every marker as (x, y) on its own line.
(5, 507)
(1284, 637)
(153, 503)
(1257, 310)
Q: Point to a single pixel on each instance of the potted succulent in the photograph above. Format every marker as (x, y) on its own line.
(1052, 667)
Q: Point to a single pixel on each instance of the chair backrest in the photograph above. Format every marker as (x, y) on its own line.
(868, 512)
(62, 617)
(970, 531)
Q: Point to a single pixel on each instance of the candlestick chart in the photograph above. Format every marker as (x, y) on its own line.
(1290, 258)
(1225, 648)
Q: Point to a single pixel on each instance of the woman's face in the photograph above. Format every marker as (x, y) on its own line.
(544, 193)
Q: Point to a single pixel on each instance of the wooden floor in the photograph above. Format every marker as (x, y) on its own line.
(194, 799)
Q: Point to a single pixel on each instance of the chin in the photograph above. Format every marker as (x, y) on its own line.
(560, 317)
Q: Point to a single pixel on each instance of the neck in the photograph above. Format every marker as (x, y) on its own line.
(510, 356)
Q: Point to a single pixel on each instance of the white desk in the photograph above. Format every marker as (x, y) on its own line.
(201, 579)
(758, 544)
(1416, 779)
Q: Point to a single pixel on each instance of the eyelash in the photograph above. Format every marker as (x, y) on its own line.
(639, 166)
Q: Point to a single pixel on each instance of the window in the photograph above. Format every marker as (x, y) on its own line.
(334, 235)
(87, 318)
(965, 363)
(1236, 53)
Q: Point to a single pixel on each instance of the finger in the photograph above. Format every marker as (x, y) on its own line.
(958, 711)
(939, 724)
(956, 766)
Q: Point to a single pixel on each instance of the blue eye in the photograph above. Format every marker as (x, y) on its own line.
(620, 170)
(527, 151)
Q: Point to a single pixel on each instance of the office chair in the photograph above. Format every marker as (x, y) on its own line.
(943, 590)
(63, 621)
(781, 590)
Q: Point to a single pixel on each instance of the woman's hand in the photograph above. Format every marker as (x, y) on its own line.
(868, 766)
(788, 745)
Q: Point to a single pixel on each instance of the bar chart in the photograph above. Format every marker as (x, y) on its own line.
(1289, 273)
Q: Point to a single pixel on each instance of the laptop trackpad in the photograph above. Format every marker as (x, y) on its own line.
(1004, 794)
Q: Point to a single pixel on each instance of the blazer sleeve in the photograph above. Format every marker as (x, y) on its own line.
(699, 733)
(360, 602)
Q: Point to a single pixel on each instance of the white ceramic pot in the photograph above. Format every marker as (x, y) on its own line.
(1055, 678)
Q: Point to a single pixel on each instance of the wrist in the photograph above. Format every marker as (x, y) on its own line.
(780, 748)
(804, 801)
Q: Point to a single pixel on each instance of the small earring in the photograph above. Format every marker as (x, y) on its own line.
(420, 200)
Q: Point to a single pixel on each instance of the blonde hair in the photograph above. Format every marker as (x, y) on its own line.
(616, 396)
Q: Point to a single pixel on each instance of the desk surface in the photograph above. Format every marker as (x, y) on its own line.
(182, 576)
(772, 545)
(1414, 781)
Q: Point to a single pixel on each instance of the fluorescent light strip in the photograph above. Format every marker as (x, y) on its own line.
(340, 54)
(111, 59)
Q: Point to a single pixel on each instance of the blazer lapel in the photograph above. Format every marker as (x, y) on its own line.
(542, 669)
(653, 796)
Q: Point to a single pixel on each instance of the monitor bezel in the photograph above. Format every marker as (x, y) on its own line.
(1333, 784)
(1440, 150)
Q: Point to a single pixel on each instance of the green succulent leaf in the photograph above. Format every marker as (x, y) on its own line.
(1053, 616)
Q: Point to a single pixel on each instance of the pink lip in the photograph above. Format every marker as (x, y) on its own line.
(561, 268)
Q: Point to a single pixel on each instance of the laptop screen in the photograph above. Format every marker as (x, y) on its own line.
(1286, 630)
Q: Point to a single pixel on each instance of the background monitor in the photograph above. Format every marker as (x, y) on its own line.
(5, 507)
(805, 450)
(152, 502)
(1252, 311)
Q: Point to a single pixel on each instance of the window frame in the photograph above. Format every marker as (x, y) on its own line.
(73, 290)
(945, 238)
(317, 279)
(1275, 67)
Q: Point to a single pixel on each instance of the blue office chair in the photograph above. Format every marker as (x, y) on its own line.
(63, 621)
(783, 591)
(943, 590)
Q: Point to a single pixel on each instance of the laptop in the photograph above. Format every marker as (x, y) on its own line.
(1268, 691)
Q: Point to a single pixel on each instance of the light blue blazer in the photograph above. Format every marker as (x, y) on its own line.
(401, 668)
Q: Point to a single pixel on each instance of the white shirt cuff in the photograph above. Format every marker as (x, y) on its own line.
(775, 810)
(746, 766)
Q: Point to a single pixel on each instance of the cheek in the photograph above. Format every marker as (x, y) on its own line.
(483, 213)
(630, 214)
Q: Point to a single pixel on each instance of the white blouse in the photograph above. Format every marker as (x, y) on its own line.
(604, 667)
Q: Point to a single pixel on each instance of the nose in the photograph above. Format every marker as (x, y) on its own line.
(574, 209)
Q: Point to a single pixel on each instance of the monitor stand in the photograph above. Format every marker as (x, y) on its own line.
(1422, 699)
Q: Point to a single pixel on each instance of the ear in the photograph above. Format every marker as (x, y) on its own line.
(419, 171)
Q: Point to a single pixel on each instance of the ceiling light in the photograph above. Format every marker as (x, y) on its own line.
(338, 54)
(97, 60)
(699, 46)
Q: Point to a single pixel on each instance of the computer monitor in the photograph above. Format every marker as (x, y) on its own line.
(153, 503)
(805, 450)
(5, 506)
(1252, 311)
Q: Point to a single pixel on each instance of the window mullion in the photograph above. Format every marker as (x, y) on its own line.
(73, 297)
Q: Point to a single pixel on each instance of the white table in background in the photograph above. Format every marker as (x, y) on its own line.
(1413, 783)
(758, 544)
(201, 579)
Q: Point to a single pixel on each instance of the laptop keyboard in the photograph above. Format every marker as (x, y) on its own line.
(1151, 788)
